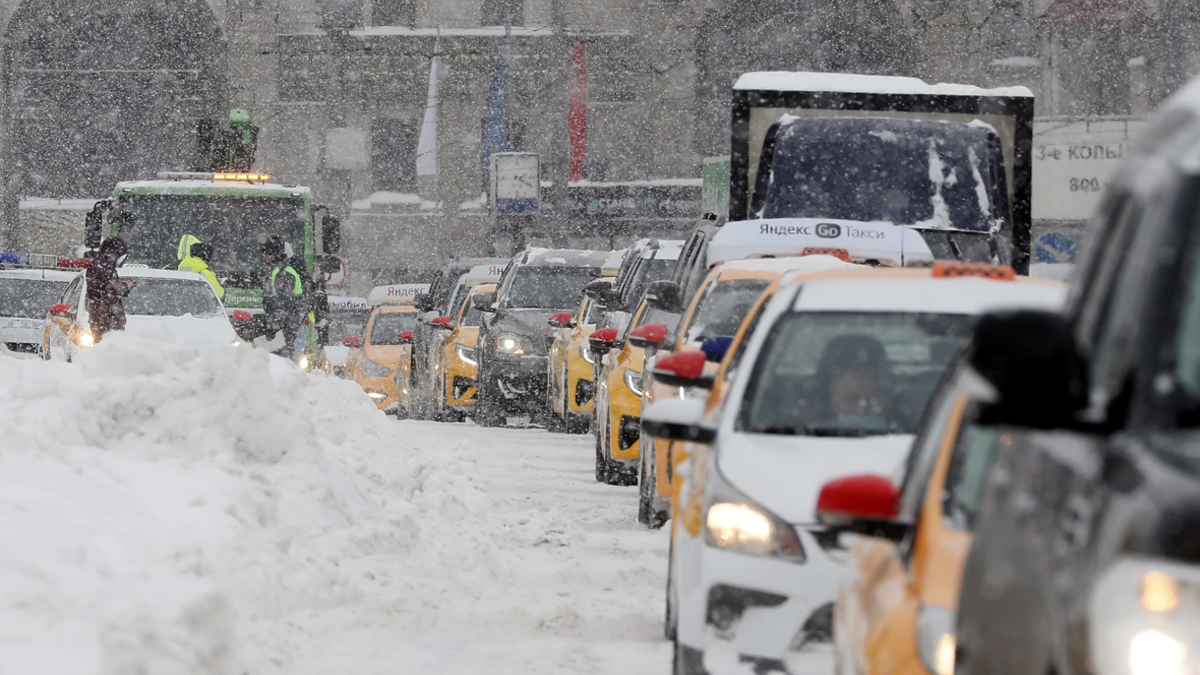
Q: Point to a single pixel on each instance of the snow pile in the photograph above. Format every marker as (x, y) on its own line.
(154, 496)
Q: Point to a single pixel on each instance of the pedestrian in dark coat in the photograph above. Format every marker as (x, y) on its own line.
(105, 290)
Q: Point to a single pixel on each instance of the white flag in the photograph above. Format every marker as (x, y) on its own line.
(427, 146)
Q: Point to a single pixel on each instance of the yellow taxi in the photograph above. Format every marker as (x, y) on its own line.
(570, 389)
(456, 367)
(896, 615)
(380, 360)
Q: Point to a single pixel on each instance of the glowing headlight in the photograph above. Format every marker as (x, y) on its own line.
(372, 369)
(586, 353)
(466, 354)
(935, 639)
(633, 380)
(303, 362)
(735, 523)
(85, 340)
(376, 395)
(1142, 616)
(508, 343)
(235, 343)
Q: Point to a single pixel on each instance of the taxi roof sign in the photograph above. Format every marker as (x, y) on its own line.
(395, 294)
(883, 243)
(347, 303)
(482, 274)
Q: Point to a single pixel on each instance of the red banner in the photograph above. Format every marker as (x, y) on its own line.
(577, 115)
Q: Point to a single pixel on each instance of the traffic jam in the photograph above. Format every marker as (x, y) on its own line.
(864, 432)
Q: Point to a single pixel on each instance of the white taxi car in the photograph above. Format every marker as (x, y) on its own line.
(26, 293)
(829, 379)
(182, 305)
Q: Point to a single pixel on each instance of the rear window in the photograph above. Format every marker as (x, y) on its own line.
(29, 298)
(171, 297)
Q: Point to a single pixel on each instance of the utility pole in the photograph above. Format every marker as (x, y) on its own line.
(559, 161)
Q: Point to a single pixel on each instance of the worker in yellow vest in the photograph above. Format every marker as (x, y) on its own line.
(197, 261)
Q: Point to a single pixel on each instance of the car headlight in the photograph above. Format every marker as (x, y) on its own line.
(935, 639)
(466, 354)
(734, 522)
(372, 369)
(586, 353)
(376, 396)
(633, 380)
(511, 343)
(303, 362)
(84, 339)
(1142, 616)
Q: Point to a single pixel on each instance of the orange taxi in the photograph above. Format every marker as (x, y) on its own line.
(456, 368)
(380, 360)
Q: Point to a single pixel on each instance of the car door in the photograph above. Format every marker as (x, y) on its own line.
(61, 326)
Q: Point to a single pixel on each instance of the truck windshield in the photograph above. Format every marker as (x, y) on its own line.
(906, 172)
(233, 225)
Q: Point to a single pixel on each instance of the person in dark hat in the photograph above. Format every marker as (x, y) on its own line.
(105, 289)
(283, 294)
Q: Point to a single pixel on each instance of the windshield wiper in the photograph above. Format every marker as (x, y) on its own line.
(816, 430)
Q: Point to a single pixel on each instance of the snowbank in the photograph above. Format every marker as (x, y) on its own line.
(154, 496)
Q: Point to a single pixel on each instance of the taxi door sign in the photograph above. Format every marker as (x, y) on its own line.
(395, 294)
(884, 243)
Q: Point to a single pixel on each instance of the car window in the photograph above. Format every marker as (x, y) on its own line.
(925, 450)
(29, 298)
(472, 316)
(386, 327)
(850, 374)
(735, 358)
(724, 306)
(171, 297)
(974, 451)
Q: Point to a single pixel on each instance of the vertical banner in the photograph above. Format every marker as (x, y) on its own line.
(427, 146)
(495, 118)
(577, 114)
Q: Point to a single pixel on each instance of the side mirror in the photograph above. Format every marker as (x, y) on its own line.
(240, 315)
(676, 420)
(864, 504)
(649, 336)
(352, 341)
(685, 369)
(715, 348)
(442, 322)
(562, 320)
(596, 287)
(665, 295)
(609, 298)
(1031, 359)
(61, 309)
(405, 337)
(601, 341)
(423, 302)
(484, 302)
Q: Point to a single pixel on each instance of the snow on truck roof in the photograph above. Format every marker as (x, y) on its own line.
(210, 187)
(849, 83)
(779, 237)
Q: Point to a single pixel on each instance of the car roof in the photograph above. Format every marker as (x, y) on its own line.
(562, 257)
(132, 271)
(36, 273)
(395, 309)
(918, 290)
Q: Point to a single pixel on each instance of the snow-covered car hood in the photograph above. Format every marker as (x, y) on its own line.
(28, 331)
(337, 355)
(785, 474)
(199, 331)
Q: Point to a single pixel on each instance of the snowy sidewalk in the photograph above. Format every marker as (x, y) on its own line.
(171, 511)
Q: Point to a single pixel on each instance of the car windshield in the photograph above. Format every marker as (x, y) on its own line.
(387, 326)
(29, 298)
(908, 172)
(537, 287)
(171, 297)
(724, 306)
(234, 226)
(344, 326)
(849, 374)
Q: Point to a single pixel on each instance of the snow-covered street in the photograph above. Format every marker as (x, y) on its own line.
(166, 509)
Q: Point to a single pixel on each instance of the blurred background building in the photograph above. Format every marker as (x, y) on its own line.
(97, 91)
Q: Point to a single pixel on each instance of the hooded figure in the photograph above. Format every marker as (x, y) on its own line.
(105, 289)
(197, 261)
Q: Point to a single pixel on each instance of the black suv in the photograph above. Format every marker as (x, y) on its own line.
(1086, 557)
(514, 341)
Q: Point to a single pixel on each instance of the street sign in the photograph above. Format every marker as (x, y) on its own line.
(1073, 160)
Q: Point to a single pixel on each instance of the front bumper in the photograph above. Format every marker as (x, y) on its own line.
(750, 609)
(514, 381)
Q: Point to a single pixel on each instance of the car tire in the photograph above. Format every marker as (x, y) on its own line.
(669, 619)
(601, 463)
(555, 423)
(648, 515)
(485, 413)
